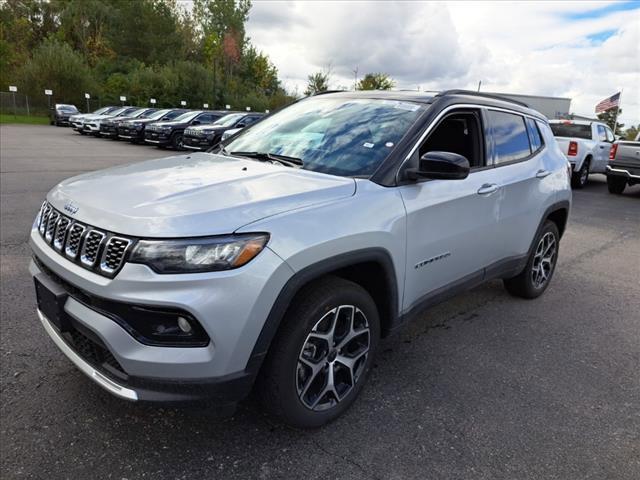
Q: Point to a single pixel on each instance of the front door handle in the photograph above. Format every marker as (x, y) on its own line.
(542, 173)
(487, 189)
(602, 146)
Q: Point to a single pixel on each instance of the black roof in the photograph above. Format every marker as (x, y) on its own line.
(449, 96)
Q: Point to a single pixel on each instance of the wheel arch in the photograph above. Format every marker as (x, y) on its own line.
(371, 268)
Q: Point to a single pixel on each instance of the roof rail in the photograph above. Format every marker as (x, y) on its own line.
(327, 91)
(480, 94)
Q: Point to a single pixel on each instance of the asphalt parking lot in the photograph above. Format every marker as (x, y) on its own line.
(484, 386)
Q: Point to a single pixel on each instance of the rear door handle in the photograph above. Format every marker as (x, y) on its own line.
(487, 189)
(542, 173)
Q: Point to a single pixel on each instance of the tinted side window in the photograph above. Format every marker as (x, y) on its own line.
(510, 136)
(602, 133)
(534, 135)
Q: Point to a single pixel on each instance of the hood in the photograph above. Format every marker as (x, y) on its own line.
(193, 195)
(169, 124)
(207, 127)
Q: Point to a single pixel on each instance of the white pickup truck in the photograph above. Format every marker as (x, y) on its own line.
(586, 145)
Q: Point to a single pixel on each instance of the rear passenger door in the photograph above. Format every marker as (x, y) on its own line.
(518, 158)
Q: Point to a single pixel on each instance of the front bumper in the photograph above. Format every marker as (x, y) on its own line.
(196, 143)
(130, 133)
(108, 131)
(231, 306)
(157, 138)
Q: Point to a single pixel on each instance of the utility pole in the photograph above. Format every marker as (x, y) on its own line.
(479, 85)
(355, 78)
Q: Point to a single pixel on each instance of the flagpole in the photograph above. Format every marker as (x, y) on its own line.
(615, 124)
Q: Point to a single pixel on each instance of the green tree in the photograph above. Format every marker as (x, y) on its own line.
(609, 117)
(56, 66)
(631, 132)
(317, 82)
(376, 81)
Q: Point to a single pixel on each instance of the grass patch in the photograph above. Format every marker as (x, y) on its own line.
(24, 119)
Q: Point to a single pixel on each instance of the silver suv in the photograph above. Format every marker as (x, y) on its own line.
(276, 264)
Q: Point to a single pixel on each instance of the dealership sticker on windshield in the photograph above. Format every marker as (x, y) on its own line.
(368, 145)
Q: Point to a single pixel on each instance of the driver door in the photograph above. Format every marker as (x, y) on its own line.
(451, 224)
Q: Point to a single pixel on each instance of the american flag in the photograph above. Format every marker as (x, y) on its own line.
(607, 103)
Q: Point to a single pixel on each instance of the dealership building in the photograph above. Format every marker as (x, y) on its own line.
(550, 107)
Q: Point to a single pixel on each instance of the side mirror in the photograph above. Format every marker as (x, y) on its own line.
(240, 125)
(195, 122)
(441, 166)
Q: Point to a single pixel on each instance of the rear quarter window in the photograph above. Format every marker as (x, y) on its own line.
(534, 135)
(510, 137)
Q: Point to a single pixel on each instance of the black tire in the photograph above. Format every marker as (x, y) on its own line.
(278, 382)
(176, 141)
(580, 178)
(524, 285)
(616, 185)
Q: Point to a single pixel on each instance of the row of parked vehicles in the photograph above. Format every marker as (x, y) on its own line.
(176, 128)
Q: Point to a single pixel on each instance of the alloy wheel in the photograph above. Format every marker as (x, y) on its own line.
(543, 260)
(333, 357)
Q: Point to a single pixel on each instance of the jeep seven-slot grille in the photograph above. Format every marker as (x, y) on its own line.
(94, 249)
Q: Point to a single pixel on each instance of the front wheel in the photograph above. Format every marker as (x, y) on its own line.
(322, 354)
(536, 276)
(176, 141)
(616, 185)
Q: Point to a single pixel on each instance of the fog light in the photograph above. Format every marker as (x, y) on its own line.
(184, 325)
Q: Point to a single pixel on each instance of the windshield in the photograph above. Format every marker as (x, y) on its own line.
(574, 130)
(67, 108)
(125, 111)
(148, 113)
(102, 111)
(187, 117)
(228, 120)
(335, 135)
(158, 114)
(137, 113)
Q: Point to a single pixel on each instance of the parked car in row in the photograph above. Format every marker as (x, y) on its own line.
(203, 137)
(109, 126)
(134, 130)
(60, 113)
(281, 261)
(586, 145)
(76, 121)
(92, 125)
(170, 133)
(624, 165)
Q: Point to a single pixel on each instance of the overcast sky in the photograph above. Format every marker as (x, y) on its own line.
(583, 50)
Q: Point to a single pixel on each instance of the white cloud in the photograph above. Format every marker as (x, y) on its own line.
(524, 47)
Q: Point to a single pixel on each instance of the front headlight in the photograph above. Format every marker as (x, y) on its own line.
(199, 254)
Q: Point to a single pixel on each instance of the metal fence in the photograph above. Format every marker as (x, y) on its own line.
(16, 103)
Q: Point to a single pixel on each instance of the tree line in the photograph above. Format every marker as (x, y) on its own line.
(141, 49)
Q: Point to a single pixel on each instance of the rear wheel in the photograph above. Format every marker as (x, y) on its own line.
(322, 354)
(616, 184)
(580, 178)
(536, 276)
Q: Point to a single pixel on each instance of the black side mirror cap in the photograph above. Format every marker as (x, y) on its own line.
(441, 166)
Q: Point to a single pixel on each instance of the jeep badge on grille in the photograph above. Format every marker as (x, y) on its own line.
(71, 207)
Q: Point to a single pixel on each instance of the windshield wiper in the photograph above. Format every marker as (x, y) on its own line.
(273, 157)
